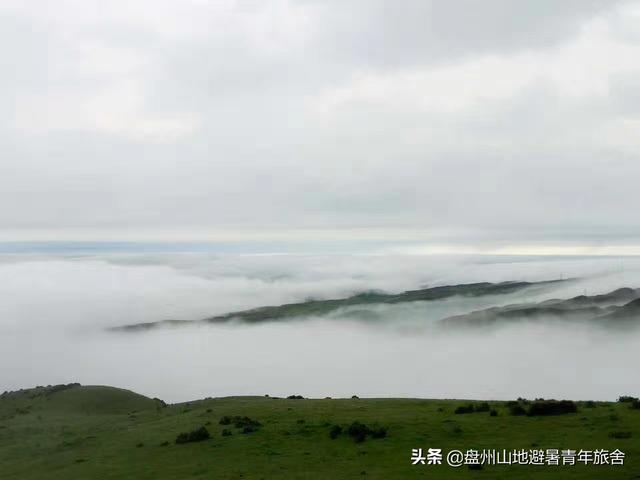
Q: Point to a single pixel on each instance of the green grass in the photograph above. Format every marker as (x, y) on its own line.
(107, 433)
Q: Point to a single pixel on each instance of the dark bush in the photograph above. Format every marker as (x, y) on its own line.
(295, 397)
(358, 431)
(197, 435)
(590, 404)
(335, 432)
(249, 429)
(464, 409)
(240, 422)
(379, 432)
(355, 397)
(516, 409)
(493, 413)
(552, 407)
(626, 399)
(226, 432)
(471, 408)
(620, 435)
(635, 405)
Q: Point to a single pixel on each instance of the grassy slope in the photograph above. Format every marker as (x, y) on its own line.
(93, 433)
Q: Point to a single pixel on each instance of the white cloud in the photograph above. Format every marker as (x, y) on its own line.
(579, 70)
(125, 118)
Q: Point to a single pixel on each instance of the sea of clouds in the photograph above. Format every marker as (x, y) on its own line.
(55, 309)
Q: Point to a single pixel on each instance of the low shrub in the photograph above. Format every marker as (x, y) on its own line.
(635, 405)
(295, 397)
(493, 413)
(471, 408)
(226, 432)
(626, 399)
(335, 432)
(358, 431)
(249, 429)
(552, 407)
(240, 421)
(197, 435)
(620, 434)
(243, 422)
(516, 409)
(464, 409)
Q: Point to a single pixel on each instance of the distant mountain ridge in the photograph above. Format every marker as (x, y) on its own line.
(620, 304)
(323, 307)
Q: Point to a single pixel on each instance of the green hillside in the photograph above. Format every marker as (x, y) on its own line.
(311, 308)
(106, 433)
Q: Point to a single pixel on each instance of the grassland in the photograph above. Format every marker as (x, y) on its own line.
(107, 433)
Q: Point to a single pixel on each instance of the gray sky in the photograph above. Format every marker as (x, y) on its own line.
(459, 124)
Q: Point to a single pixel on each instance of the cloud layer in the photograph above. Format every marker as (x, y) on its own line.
(55, 310)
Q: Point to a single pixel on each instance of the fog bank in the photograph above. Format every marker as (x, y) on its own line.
(54, 309)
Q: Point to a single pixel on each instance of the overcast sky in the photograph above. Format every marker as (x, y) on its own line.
(450, 122)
